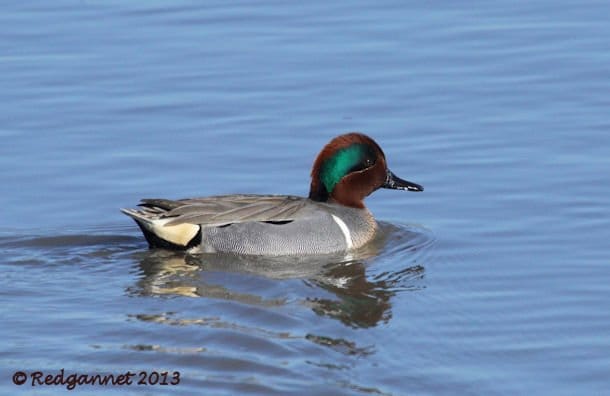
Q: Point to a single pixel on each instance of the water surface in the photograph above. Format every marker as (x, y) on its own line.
(494, 280)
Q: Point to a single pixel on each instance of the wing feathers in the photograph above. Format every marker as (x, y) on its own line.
(221, 210)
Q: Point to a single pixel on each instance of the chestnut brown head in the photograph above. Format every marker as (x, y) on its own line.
(349, 168)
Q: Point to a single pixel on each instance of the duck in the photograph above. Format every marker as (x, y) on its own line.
(331, 219)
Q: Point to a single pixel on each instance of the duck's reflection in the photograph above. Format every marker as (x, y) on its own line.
(361, 302)
(332, 286)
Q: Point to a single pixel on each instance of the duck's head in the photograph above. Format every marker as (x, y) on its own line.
(349, 168)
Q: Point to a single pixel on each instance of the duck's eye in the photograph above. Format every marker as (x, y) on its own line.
(364, 164)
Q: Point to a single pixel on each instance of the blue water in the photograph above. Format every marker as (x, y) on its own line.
(495, 280)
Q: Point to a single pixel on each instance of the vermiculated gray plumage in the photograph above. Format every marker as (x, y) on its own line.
(260, 224)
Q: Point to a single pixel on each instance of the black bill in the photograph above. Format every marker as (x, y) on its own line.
(396, 183)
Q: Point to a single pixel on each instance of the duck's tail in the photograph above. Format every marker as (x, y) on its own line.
(182, 236)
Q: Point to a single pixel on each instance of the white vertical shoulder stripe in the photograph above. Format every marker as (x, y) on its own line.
(344, 230)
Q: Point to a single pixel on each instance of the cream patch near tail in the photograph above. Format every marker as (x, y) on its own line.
(179, 234)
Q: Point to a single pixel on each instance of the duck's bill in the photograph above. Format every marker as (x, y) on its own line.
(396, 183)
